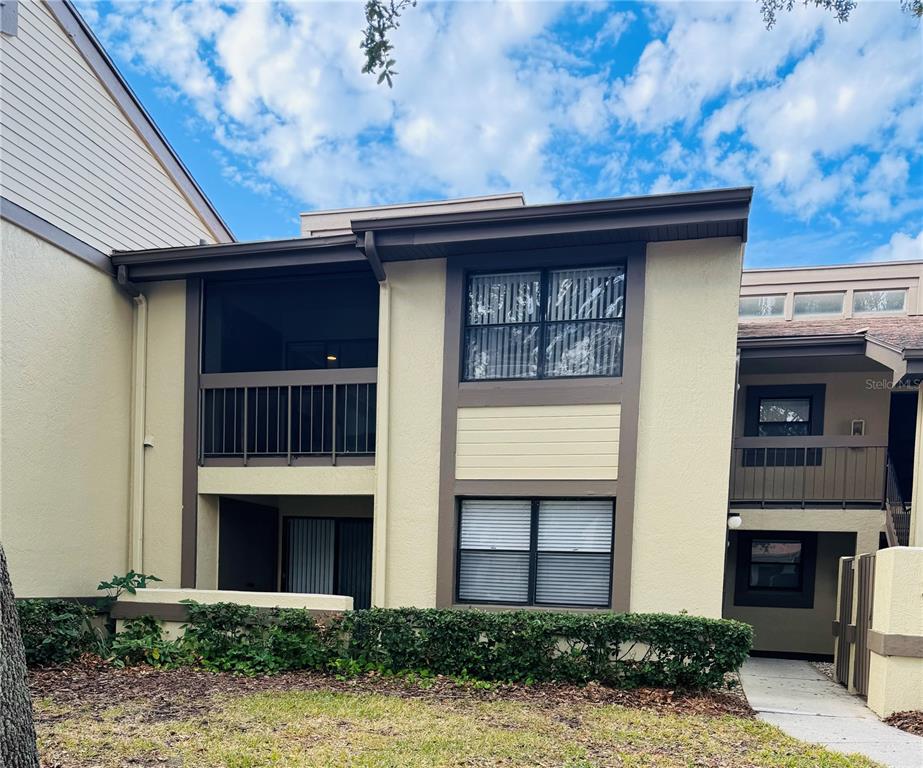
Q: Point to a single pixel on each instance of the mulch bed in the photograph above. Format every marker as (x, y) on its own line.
(174, 694)
(910, 721)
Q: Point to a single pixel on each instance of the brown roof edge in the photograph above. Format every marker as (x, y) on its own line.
(96, 57)
(692, 201)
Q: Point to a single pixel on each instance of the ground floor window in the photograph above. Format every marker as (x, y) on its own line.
(775, 569)
(535, 551)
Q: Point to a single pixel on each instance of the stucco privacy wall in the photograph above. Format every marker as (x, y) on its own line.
(795, 630)
(546, 442)
(688, 361)
(65, 398)
(163, 491)
(71, 156)
(896, 681)
(417, 323)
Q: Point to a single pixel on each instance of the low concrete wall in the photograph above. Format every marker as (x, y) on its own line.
(896, 637)
(166, 604)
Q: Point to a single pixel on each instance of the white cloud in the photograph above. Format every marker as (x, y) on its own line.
(824, 118)
(901, 247)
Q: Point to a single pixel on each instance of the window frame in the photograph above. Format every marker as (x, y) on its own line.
(542, 323)
(876, 312)
(784, 457)
(840, 313)
(531, 602)
(769, 597)
(753, 318)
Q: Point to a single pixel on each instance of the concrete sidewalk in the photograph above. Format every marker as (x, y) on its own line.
(801, 701)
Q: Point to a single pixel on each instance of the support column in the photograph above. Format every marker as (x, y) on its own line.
(916, 507)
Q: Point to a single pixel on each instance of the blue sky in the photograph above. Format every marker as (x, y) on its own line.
(266, 104)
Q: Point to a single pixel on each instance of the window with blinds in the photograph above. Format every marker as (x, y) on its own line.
(536, 552)
(545, 324)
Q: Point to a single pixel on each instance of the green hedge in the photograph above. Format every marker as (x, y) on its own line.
(55, 631)
(625, 650)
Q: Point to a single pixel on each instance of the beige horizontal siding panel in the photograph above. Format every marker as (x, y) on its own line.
(537, 449)
(538, 435)
(536, 473)
(70, 155)
(546, 442)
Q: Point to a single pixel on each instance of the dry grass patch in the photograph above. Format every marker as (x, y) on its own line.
(367, 728)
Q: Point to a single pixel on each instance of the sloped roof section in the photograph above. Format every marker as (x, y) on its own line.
(899, 332)
(96, 57)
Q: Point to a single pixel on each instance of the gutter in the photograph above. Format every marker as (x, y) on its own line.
(137, 439)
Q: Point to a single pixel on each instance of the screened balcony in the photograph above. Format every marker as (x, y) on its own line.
(289, 371)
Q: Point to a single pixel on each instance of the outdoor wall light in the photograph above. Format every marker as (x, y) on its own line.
(734, 522)
(332, 358)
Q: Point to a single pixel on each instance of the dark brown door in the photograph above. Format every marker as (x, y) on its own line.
(248, 546)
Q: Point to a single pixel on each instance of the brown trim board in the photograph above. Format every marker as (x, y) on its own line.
(451, 351)
(886, 644)
(628, 429)
(590, 391)
(545, 392)
(190, 504)
(534, 488)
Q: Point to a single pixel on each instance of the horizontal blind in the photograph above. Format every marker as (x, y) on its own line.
(586, 294)
(573, 579)
(493, 577)
(574, 552)
(575, 526)
(502, 524)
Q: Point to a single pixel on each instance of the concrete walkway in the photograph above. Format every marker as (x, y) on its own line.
(805, 704)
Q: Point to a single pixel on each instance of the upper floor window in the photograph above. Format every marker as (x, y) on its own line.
(544, 324)
(783, 416)
(299, 322)
(762, 306)
(818, 304)
(869, 302)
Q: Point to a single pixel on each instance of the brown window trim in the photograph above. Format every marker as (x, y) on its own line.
(535, 501)
(544, 268)
(745, 595)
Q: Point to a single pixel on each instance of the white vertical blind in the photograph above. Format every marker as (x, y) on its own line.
(310, 555)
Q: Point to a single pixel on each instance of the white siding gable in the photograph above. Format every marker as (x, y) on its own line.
(70, 156)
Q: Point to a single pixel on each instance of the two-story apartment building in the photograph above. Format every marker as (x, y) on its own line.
(824, 439)
(477, 402)
(83, 170)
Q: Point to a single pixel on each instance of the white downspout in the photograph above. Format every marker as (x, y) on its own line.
(137, 436)
(383, 431)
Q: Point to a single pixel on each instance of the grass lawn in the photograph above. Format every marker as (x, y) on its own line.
(186, 718)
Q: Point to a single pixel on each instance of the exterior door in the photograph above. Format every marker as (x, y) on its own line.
(330, 556)
(248, 546)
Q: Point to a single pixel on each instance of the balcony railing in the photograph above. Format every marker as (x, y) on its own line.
(808, 472)
(287, 417)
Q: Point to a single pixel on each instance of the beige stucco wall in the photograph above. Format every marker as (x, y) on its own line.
(848, 395)
(64, 418)
(207, 532)
(896, 682)
(163, 480)
(540, 442)
(795, 630)
(249, 481)
(866, 524)
(687, 385)
(417, 321)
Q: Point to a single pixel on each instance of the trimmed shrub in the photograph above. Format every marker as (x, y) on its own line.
(239, 638)
(55, 631)
(624, 650)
